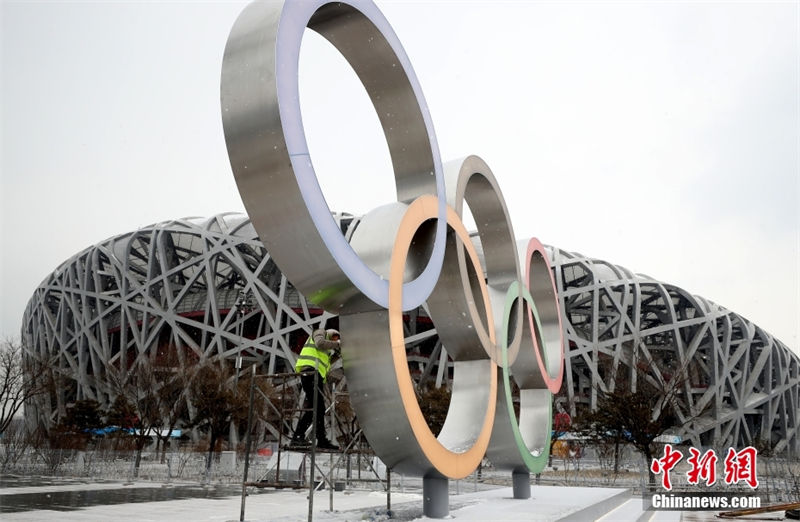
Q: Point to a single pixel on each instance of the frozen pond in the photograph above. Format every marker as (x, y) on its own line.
(68, 495)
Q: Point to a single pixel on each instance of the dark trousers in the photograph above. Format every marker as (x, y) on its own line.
(312, 383)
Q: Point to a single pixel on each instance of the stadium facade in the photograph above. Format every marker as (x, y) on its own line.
(174, 286)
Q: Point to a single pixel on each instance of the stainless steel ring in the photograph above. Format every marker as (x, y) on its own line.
(380, 385)
(521, 443)
(269, 154)
(470, 181)
(542, 365)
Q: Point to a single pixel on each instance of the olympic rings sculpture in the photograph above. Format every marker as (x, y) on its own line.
(497, 317)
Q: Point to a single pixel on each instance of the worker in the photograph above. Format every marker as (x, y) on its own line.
(313, 365)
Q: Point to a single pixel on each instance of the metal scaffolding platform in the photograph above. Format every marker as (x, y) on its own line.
(299, 467)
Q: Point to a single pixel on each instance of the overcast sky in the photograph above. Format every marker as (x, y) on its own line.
(662, 137)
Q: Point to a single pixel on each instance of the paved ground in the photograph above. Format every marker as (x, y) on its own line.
(86, 501)
(547, 503)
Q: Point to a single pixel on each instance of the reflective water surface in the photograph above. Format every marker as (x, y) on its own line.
(11, 502)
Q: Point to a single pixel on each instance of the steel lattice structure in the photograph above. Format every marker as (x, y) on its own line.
(174, 285)
(742, 383)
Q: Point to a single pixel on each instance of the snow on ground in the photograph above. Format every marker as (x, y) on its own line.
(547, 503)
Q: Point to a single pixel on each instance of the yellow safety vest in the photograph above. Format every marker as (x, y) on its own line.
(311, 357)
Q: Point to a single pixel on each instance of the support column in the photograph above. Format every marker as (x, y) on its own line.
(435, 497)
(522, 484)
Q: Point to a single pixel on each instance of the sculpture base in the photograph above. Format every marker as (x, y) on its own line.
(521, 484)
(435, 497)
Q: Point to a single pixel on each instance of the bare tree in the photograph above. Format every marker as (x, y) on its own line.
(171, 405)
(22, 378)
(16, 442)
(217, 403)
(639, 408)
(173, 379)
(143, 394)
(604, 429)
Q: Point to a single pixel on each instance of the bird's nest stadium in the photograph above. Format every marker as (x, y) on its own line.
(174, 286)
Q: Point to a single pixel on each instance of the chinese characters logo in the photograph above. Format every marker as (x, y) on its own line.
(739, 466)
